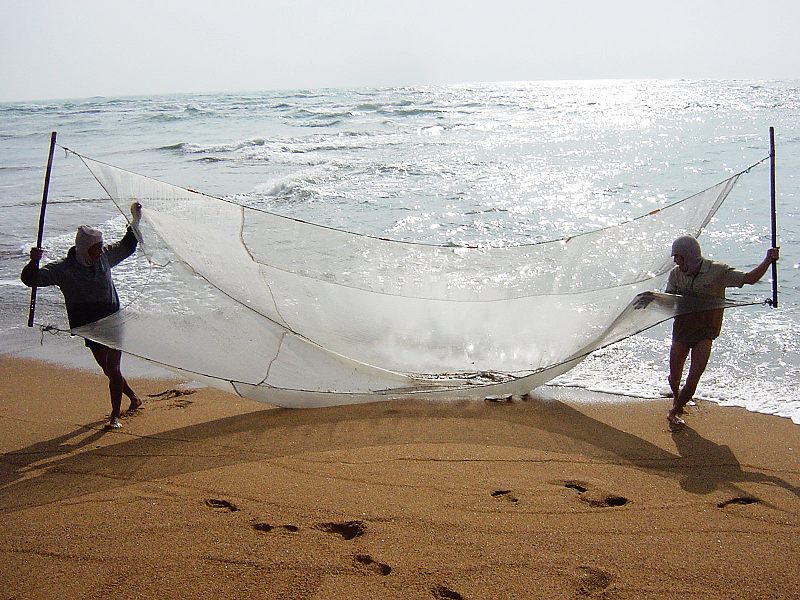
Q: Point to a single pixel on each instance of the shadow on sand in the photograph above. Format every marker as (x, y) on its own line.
(39, 474)
(709, 466)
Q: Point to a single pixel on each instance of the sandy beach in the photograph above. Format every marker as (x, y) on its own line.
(206, 495)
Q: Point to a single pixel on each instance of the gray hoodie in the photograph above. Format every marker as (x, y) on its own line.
(89, 292)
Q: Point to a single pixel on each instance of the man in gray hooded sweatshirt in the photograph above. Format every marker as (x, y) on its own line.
(84, 277)
(694, 333)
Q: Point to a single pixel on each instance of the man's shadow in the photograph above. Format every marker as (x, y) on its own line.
(714, 466)
(21, 461)
(700, 466)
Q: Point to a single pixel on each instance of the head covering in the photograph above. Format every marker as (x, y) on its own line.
(689, 249)
(85, 239)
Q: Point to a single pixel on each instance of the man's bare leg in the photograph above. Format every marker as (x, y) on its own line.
(110, 361)
(678, 353)
(700, 354)
(135, 401)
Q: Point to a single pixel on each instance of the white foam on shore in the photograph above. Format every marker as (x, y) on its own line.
(68, 351)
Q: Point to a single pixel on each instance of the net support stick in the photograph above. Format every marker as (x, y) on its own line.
(39, 236)
(773, 214)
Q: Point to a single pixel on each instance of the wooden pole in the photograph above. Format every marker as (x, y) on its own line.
(32, 308)
(773, 212)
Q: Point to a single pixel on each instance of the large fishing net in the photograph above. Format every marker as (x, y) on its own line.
(296, 314)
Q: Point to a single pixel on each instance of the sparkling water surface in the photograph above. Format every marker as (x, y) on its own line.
(480, 163)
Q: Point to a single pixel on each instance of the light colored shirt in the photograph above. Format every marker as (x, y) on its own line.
(711, 280)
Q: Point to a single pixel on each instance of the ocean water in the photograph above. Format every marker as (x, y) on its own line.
(500, 163)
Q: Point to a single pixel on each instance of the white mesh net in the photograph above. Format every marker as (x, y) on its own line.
(297, 314)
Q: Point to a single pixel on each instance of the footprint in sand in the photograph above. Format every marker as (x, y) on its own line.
(442, 592)
(505, 495)
(596, 498)
(373, 565)
(221, 505)
(593, 581)
(176, 395)
(266, 527)
(348, 530)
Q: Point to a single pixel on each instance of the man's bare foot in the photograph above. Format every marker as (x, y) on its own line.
(674, 420)
(114, 423)
(136, 404)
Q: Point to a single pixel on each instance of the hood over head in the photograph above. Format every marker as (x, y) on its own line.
(85, 238)
(689, 248)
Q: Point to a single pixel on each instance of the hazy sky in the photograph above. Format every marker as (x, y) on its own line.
(80, 48)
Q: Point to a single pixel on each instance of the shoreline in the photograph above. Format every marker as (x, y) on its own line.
(61, 350)
(408, 499)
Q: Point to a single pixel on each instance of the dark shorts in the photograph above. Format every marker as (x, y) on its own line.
(690, 333)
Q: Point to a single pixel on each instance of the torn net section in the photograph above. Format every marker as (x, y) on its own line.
(297, 314)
